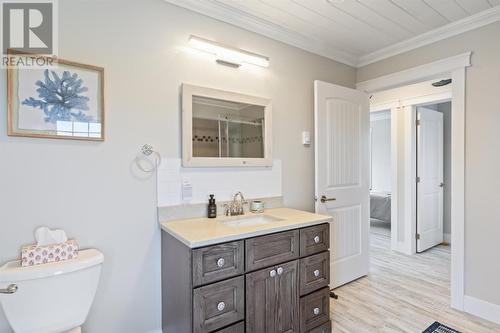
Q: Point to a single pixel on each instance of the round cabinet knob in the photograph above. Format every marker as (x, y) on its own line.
(316, 311)
(272, 273)
(316, 272)
(316, 239)
(221, 306)
(280, 270)
(221, 262)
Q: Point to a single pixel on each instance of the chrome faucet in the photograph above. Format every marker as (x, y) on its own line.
(236, 207)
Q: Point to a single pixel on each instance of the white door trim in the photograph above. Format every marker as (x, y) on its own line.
(455, 67)
(416, 74)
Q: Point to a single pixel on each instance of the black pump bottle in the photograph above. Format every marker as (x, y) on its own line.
(212, 207)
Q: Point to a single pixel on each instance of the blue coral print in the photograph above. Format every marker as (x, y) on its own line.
(60, 98)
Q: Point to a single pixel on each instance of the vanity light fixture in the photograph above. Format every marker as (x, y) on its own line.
(227, 55)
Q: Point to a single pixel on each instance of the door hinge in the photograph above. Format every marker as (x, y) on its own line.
(417, 122)
(418, 236)
(417, 180)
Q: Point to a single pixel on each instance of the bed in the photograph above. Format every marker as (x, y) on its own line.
(380, 206)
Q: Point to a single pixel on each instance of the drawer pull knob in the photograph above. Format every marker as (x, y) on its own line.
(221, 306)
(316, 311)
(280, 270)
(221, 262)
(316, 272)
(316, 239)
(272, 273)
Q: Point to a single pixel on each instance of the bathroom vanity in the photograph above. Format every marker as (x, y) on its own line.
(253, 273)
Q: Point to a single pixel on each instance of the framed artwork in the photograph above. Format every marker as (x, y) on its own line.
(65, 101)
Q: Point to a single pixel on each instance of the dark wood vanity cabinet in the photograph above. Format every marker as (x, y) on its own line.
(275, 283)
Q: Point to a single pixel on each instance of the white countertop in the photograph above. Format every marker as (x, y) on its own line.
(199, 232)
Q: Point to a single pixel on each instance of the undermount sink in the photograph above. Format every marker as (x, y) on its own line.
(249, 220)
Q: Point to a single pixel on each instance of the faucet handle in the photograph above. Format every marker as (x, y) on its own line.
(242, 210)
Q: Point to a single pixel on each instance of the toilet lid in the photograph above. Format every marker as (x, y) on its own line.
(13, 271)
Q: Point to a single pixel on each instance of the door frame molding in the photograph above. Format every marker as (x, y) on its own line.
(455, 67)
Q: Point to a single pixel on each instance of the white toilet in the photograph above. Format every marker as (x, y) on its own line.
(50, 298)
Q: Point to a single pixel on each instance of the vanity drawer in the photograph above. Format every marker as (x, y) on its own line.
(218, 262)
(314, 310)
(314, 239)
(314, 272)
(218, 305)
(325, 328)
(272, 249)
(236, 328)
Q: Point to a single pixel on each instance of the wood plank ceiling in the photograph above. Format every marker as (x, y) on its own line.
(351, 28)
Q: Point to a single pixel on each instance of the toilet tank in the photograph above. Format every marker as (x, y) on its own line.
(53, 297)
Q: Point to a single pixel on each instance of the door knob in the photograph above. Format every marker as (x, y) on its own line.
(316, 272)
(11, 289)
(316, 311)
(316, 239)
(325, 199)
(280, 270)
(272, 273)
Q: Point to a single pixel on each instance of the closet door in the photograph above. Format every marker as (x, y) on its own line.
(430, 178)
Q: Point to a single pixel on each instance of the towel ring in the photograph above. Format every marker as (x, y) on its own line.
(146, 151)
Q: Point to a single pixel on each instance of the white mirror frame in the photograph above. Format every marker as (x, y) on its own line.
(188, 160)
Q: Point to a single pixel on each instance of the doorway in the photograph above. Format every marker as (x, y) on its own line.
(332, 100)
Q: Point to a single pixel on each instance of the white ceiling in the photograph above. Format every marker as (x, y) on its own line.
(355, 32)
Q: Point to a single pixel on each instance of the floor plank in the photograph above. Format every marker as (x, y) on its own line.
(401, 294)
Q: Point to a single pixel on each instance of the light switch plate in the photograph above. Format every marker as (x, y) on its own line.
(306, 138)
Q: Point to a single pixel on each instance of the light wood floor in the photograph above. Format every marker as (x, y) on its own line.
(401, 294)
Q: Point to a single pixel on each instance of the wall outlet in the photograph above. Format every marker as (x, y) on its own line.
(187, 189)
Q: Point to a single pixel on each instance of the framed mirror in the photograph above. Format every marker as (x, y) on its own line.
(223, 129)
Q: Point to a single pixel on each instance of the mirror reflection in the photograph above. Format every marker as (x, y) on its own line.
(227, 129)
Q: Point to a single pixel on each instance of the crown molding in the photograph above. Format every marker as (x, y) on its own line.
(241, 19)
(478, 20)
(244, 20)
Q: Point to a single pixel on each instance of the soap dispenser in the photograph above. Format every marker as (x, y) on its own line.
(212, 207)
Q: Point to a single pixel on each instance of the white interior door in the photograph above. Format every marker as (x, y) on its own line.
(342, 130)
(430, 178)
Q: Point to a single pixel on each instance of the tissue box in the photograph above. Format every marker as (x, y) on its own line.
(35, 255)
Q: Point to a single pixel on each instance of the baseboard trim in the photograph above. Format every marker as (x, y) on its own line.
(482, 309)
(447, 238)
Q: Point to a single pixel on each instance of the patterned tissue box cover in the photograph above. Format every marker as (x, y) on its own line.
(35, 255)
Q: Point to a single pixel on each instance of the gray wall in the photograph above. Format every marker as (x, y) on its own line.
(94, 191)
(482, 211)
(381, 154)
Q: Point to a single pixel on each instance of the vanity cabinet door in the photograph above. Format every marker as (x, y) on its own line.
(272, 300)
(261, 301)
(287, 316)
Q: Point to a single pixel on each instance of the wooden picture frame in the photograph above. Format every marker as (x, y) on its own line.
(39, 109)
